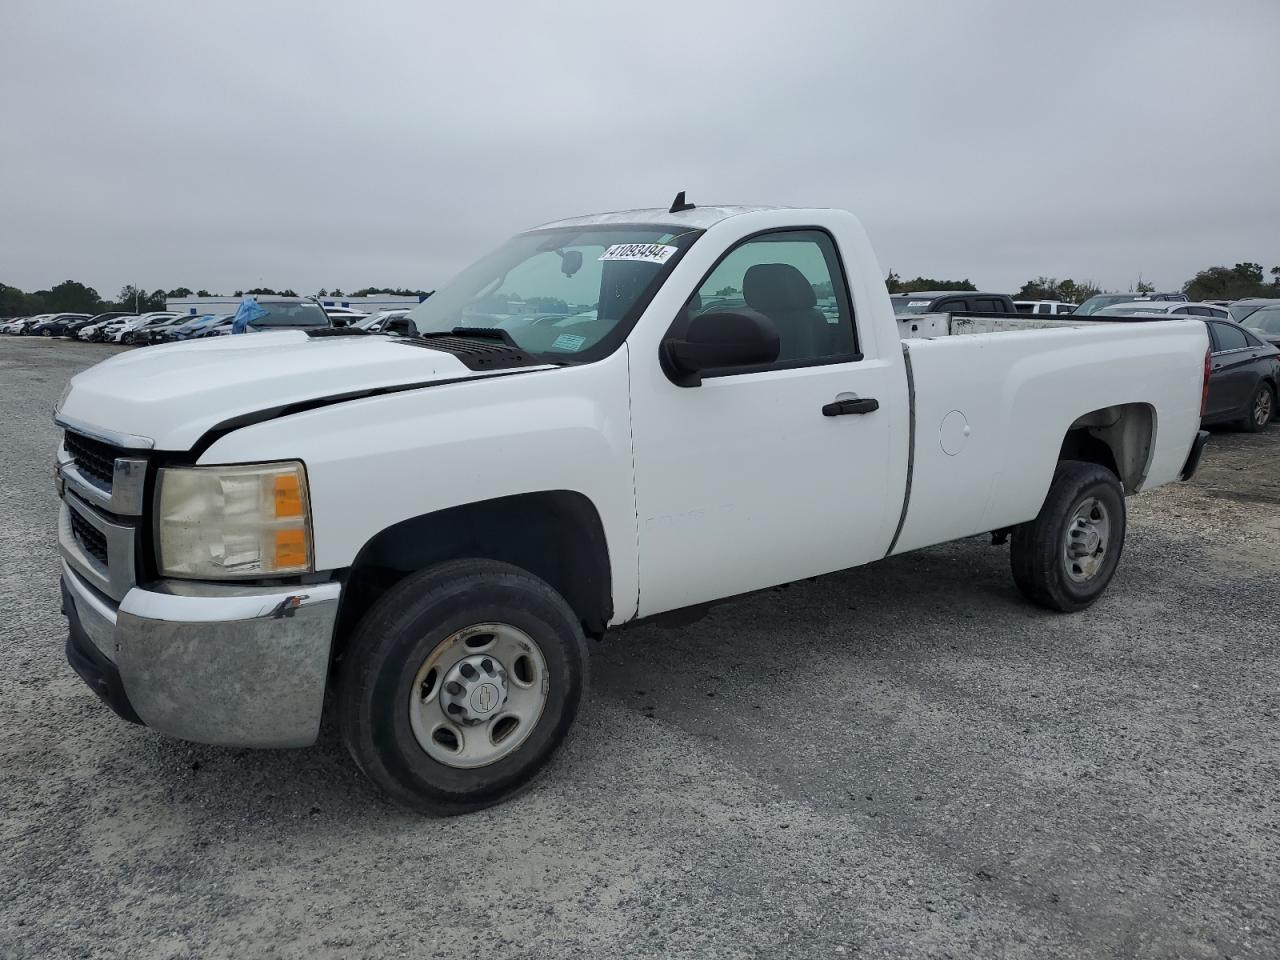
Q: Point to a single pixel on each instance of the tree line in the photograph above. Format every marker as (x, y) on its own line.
(1213, 283)
(71, 296)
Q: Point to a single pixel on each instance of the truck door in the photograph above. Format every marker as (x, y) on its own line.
(743, 482)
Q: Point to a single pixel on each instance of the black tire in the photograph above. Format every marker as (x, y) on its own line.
(1040, 568)
(1261, 410)
(392, 641)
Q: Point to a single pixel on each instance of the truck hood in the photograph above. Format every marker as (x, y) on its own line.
(172, 394)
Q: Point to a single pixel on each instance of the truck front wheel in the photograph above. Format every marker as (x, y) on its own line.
(1066, 556)
(459, 684)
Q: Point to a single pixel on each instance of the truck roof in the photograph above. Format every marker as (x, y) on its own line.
(697, 218)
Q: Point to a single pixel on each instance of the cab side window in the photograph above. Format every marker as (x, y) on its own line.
(793, 277)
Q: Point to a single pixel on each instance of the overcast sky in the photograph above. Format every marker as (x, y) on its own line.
(310, 144)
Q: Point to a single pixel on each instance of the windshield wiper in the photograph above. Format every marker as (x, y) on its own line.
(487, 333)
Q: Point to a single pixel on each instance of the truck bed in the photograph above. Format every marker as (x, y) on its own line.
(989, 413)
(924, 325)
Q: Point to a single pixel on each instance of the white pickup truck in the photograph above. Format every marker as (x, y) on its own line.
(608, 418)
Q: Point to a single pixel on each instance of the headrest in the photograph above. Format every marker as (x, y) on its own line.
(777, 286)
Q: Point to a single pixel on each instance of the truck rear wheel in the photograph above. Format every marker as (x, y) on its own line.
(1066, 556)
(459, 685)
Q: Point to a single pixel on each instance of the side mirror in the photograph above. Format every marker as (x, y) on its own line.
(338, 321)
(400, 326)
(715, 341)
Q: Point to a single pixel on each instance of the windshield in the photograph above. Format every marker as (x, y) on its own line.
(910, 305)
(291, 315)
(1265, 320)
(1094, 304)
(1239, 311)
(557, 292)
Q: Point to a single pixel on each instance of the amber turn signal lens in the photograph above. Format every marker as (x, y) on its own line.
(288, 495)
(291, 548)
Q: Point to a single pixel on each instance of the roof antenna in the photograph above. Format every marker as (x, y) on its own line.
(679, 204)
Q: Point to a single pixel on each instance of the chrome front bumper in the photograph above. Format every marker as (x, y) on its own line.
(211, 662)
(237, 666)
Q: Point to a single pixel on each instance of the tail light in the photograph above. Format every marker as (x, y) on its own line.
(1204, 389)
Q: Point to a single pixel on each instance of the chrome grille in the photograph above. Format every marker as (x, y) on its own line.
(95, 459)
(94, 543)
(110, 477)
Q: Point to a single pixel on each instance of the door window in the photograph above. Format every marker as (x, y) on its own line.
(794, 278)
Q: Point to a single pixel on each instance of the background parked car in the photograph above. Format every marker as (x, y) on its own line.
(56, 325)
(345, 316)
(1265, 323)
(1242, 309)
(128, 332)
(1043, 307)
(288, 313)
(951, 301)
(376, 322)
(73, 329)
(1164, 309)
(14, 325)
(1094, 304)
(220, 327)
(95, 330)
(23, 327)
(190, 326)
(159, 331)
(1243, 378)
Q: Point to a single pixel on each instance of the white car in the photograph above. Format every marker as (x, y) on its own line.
(1153, 308)
(127, 331)
(343, 316)
(584, 434)
(375, 322)
(1044, 307)
(22, 325)
(15, 325)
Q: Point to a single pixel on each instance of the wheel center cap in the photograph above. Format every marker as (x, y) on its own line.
(474, 689)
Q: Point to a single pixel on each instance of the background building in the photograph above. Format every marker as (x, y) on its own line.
(197, 306)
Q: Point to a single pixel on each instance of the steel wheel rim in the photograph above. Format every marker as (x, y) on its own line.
(1262, 408)
(521, 682)
(1088, 536)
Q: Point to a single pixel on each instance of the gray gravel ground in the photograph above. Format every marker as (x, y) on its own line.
(903, 760)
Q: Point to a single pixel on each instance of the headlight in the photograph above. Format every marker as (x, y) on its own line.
(229, 522)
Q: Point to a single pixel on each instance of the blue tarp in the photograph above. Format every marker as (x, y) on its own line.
(249, 311)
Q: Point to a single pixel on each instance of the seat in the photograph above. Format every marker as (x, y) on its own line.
(781, 293)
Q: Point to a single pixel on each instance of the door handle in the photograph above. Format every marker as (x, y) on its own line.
(841, 408)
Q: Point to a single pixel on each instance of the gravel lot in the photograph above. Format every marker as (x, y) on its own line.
(903, 760)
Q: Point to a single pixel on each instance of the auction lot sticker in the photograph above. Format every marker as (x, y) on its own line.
(643, 252)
